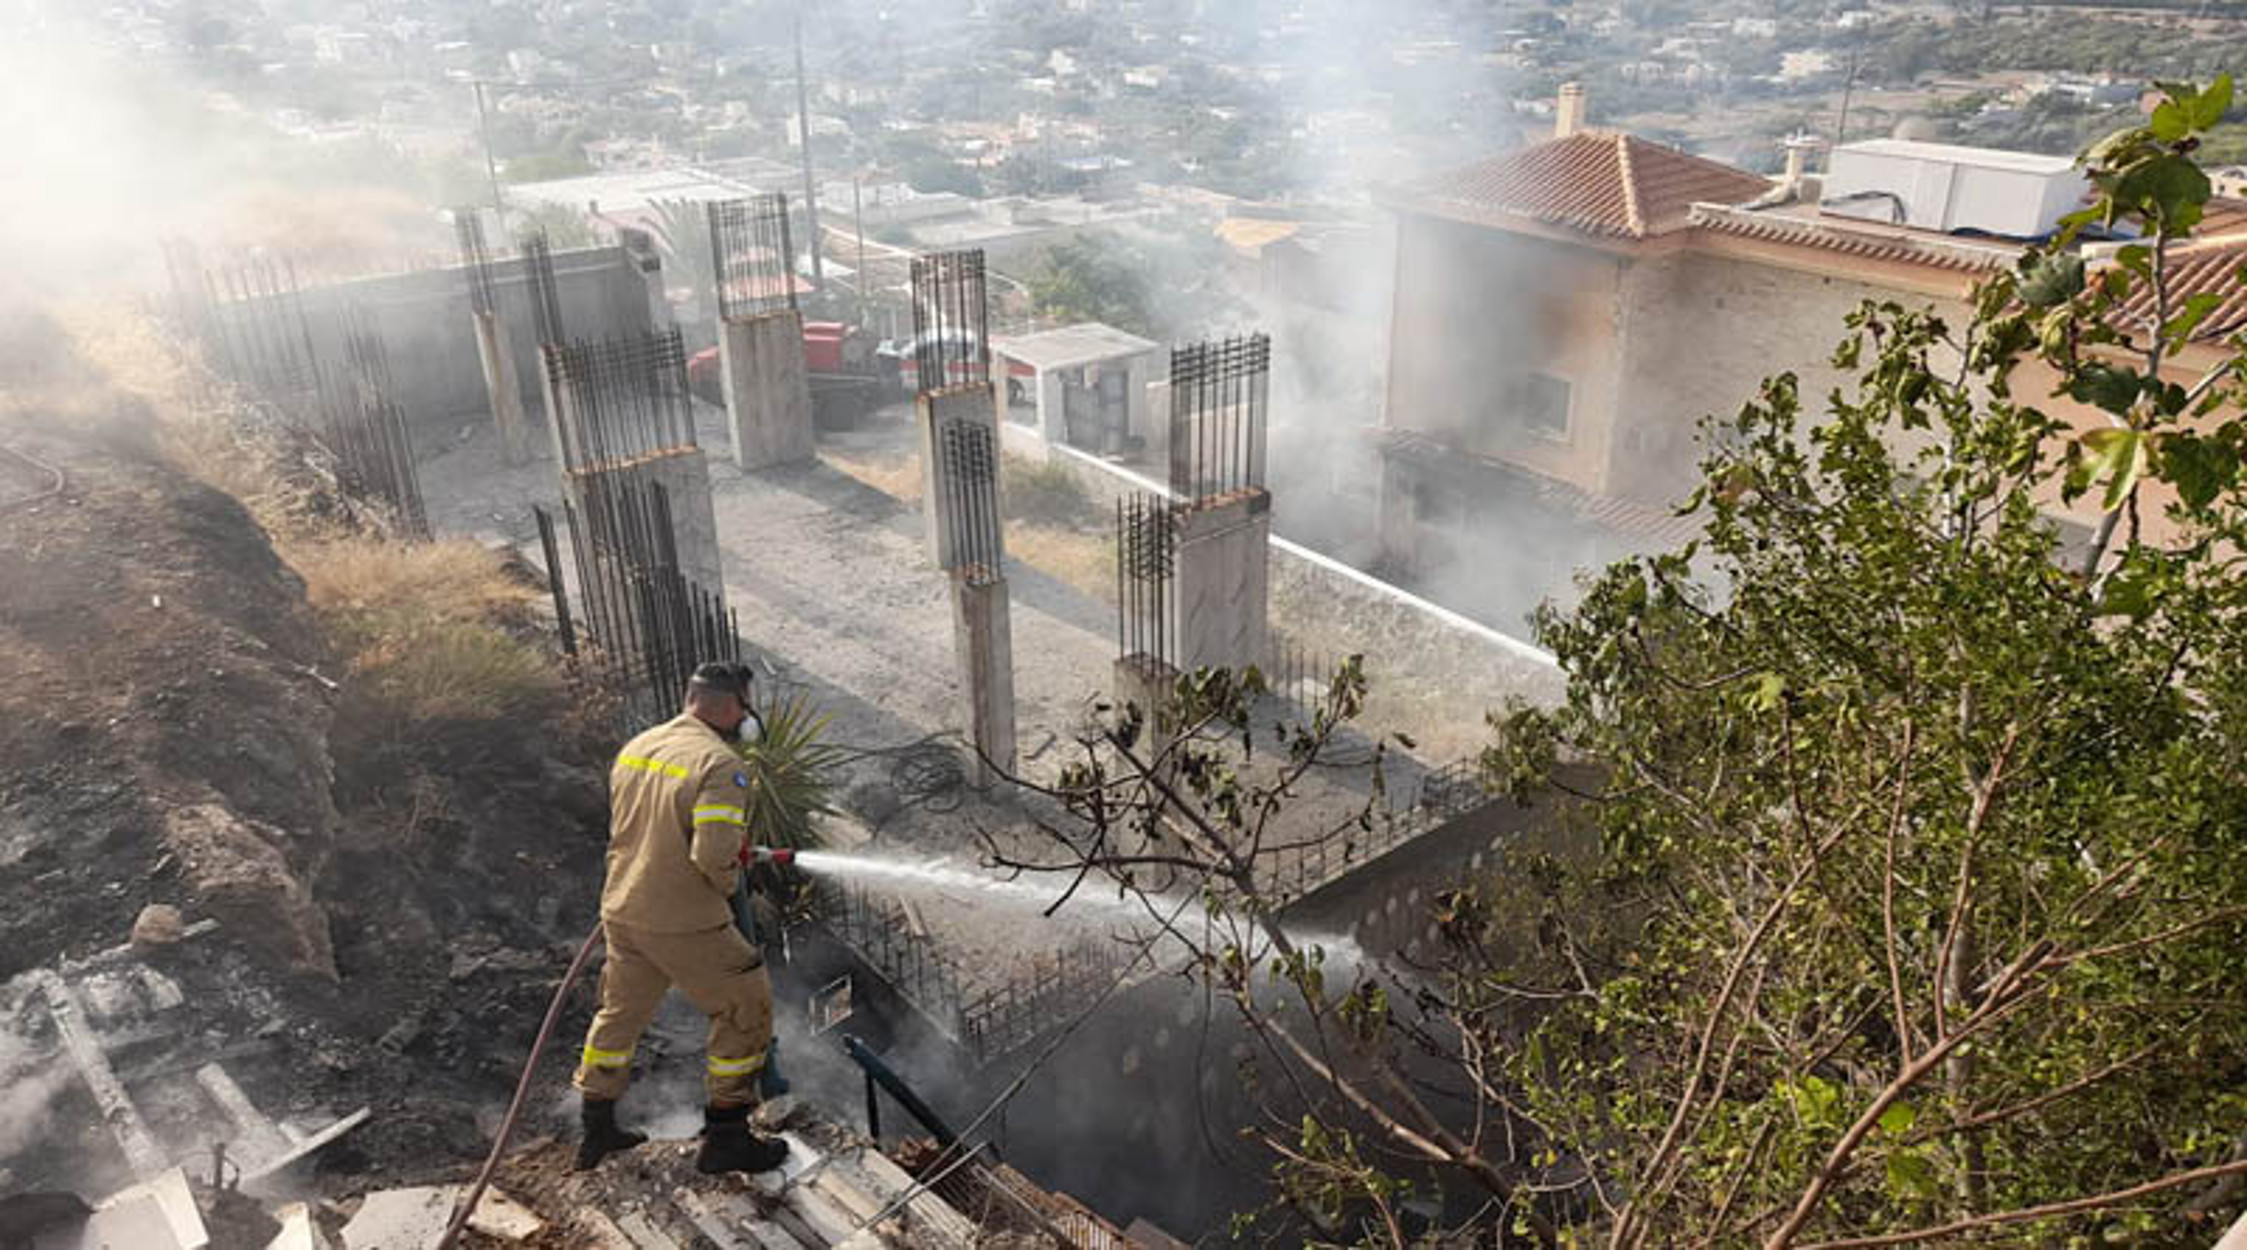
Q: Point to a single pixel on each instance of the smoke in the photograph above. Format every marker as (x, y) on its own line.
(113, 148)
(30, 1086)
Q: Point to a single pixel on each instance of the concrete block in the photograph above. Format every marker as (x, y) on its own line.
(501, 388)
(767, 388)
(983, 640)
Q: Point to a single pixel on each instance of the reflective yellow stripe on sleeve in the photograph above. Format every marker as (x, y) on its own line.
(651, 766)
(735, 1067)
(595, 1057)
(720, 813)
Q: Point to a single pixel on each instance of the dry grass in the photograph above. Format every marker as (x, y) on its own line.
(1084, 562)
(440, 666)
(1046, 493)
(893, 476)
(452, 581)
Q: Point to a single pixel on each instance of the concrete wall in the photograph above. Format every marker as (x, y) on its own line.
(1477, 310)
(425, 322)
(1320, 599)
(1700, 333)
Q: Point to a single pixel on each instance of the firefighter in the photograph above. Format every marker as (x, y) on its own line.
(678, 833)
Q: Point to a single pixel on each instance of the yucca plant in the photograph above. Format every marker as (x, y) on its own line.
(792, 770)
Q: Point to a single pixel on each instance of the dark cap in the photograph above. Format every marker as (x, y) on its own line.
(723, 678)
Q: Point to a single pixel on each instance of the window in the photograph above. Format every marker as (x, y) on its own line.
(1432, 504)
(1537, 402)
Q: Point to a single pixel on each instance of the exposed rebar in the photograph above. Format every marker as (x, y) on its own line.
(951, 321)
(752, 260)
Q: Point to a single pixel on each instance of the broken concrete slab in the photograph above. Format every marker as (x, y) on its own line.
(170, 1190)
(306, 1146)
(136, 1225)
(499, 1216)
(298, 1232)
(401, 1219)
(117, 1109)
(259, 1141)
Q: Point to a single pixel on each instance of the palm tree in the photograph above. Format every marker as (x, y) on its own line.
(682, 231)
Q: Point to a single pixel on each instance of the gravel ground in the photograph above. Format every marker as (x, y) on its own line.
(836, 591)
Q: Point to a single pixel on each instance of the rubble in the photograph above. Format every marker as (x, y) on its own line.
(158, 925)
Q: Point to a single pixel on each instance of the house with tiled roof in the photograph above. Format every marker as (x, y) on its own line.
(1564, 316)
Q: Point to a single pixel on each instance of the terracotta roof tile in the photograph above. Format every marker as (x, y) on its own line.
(1611, 185)
(2203, 269)
(1897, 243)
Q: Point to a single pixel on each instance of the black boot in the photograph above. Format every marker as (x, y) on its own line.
(729, 1146)
(602, 1137)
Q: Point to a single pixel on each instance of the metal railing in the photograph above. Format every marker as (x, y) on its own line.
(1420, 805)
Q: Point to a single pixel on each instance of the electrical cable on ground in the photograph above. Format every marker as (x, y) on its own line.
(55, 479)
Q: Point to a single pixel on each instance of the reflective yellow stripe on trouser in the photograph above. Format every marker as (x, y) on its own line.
(595, 1057)
(736, 1067)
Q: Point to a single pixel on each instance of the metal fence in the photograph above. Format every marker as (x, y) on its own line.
(751, 258)
(951, 321)
(987, 1023)
(1218, 408)
(1405, 811)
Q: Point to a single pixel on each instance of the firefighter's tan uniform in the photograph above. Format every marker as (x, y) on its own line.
(678, 824)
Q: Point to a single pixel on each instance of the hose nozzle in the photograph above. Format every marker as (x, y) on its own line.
(780, 855)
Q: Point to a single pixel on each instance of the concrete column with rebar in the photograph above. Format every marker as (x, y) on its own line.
(983, 638)
(934, 410)
(767, 388)
(506, 396)
(1224, 581)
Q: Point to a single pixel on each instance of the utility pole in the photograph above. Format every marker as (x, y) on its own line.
(803, 130)
(491, 167)
(858, 213)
